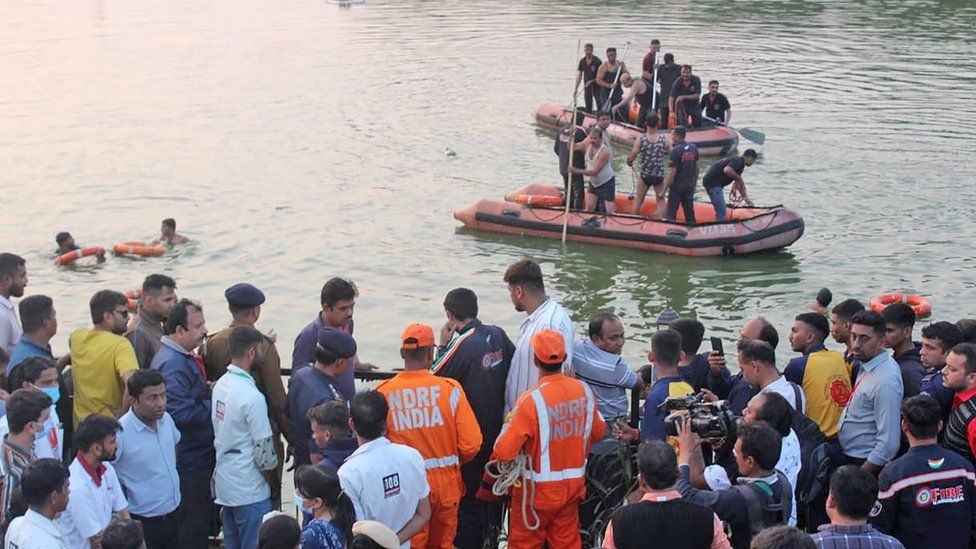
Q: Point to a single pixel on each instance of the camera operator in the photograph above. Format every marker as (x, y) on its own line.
(763, 496)
(773, 409)
(661, 515)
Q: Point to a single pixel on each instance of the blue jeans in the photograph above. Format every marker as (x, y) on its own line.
(241, 524)
(717, 196)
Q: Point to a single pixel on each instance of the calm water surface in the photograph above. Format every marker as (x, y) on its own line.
(297, 140)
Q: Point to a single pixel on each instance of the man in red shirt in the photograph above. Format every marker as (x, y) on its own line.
(959, 375)
(650, 61)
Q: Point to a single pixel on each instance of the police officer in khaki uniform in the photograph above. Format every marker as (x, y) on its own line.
(244, 302)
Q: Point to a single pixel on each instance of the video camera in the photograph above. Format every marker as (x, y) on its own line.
(713, 421)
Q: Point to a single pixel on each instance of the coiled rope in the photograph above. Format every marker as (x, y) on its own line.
(507, 474)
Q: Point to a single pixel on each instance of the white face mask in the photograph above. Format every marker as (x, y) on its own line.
(300, 501)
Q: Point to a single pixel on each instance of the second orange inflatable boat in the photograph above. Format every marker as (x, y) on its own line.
(748, 230)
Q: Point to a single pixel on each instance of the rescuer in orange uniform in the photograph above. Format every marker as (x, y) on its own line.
(432, 415)
(553, 423)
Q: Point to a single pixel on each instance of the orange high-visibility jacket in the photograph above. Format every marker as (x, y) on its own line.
(432, 415)
(554, 423)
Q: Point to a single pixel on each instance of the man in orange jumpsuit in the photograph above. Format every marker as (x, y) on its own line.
(553, 423)
(432, 415)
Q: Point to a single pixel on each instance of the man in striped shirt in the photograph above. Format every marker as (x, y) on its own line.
(853, 494)
(528, 294)
(27, 410)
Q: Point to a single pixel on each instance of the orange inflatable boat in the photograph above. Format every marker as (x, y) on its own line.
(748, 230)
(711, 141)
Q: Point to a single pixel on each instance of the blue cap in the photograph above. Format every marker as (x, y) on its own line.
(337, 341)
(244, 295)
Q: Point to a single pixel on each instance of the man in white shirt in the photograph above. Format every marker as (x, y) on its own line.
(44, 485)
(528, 293)
(244, 443)
(386, 482)
(757, 360)
(13, 278)
(146, 460)
(96, 494)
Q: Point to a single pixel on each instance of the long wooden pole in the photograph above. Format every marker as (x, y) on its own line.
(572, 147)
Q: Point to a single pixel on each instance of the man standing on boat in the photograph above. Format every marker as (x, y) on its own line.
(683, 177)
(650, 61)
(725, 171)
(587, 70)
(685, 94)
(561, 148)
(666, 75)
(606, 78)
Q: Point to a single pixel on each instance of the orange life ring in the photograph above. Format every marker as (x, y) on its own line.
(78, 254)
(919, 304)
(138, 248)
(538, 200)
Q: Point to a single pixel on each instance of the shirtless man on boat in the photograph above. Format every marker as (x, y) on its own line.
(639, 90)
(606, 78)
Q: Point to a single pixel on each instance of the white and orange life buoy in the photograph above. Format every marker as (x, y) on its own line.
(919, 304)
(135, 247)
(78, 254)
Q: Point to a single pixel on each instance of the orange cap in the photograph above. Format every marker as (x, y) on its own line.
(417, 336)
(549, 347)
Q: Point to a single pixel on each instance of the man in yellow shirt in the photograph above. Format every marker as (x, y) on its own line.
(102, 360)
(823, 375)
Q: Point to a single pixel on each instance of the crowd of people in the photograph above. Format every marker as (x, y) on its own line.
(609, 86)
(153, 430)
(674, 188)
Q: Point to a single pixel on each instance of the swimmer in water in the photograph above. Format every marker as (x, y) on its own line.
(170, 236)
(66, 244)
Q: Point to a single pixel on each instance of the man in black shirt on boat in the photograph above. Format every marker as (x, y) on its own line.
(685, 95)
(666, 75)
(682, 178)
(588, 67)
(716, 106)
(561, 148)
(723, 172)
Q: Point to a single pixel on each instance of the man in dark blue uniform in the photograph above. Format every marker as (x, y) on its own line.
(938, 339)
(926, 498)
(478, 356)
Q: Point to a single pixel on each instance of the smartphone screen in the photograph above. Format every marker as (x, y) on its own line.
(717, 345)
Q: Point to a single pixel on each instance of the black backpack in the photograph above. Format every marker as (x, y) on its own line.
(810, 437)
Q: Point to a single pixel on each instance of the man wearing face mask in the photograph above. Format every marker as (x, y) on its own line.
(26, 411)
(188, 402)
(38, 373)
(146, 460)
(96, 495)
